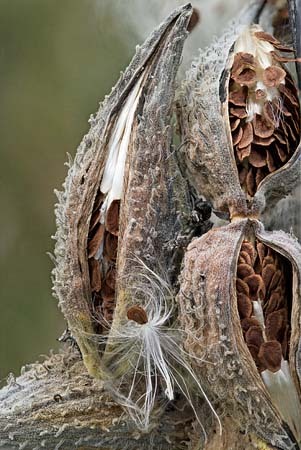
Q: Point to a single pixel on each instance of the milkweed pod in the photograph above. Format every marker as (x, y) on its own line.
(240, 309)
(240, 120)
(119, 198)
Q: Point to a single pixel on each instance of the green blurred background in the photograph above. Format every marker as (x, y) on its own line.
(58, 58)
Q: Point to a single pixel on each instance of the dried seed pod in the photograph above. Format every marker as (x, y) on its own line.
(243, 326)
(240, 121)
(119, 199)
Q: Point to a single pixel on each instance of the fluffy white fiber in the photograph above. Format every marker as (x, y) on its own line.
(147, 362)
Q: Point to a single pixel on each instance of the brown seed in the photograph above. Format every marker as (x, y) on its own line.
(270, 355)
(273, 76)
(244, 305)
(263, 141)
(247, 258)
(241, 60)
(239, 97)
(236, 137)
(268, 273)
(258, 158)
(254, 336)
(111, 244)
(137, 314)
(275, 280)
(247, 247)
(238, 112)
(281, 153)
(234, 124)
(247, 136)
(249, 322)
(275, 322)
(107, 294)
(112, 217)
(242, 287)
(246, 77)
(259, 94)
(243, 153)
(296, 126)
(260, 175)
(280, 108)
(261, 127)
(244, 270)
(271, 162)
(95, 242)
(256, 286)
(288, 95)
(95, 275)
(269, 259)
(111, 277)
(272, 40)
(272, 304)
(281, 58)
(279, 136)
(263, 36)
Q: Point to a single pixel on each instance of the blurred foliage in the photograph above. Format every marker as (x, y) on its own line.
(57, 61)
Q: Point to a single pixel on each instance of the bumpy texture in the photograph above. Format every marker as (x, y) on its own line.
(209, 316)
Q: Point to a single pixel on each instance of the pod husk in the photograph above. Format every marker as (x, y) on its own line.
(209, 315)
(149, 208)
(207, 152)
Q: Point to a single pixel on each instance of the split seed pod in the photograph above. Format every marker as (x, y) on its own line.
(119, 200)
(240, 307)
(240, 120)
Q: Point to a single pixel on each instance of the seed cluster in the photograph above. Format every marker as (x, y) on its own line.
(263, 110)
(263, 303)
(102, 253)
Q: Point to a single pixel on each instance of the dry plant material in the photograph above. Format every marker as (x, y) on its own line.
(239, 117)
(264, 295)
(240, 307)
(264, 109)
(119, 197)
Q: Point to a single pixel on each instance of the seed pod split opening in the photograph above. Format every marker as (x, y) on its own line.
(119, 200)
(240, 119)
(264, 110)
(240, 307)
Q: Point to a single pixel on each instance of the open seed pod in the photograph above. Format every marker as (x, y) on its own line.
(240, 309)
(240, 120)
(119, 200)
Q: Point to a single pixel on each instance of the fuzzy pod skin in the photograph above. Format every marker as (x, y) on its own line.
(295, 22)
(208, 151)
(149, 190)
(210, 316)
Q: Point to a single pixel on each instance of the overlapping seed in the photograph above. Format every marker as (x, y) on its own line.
(102, 253)
(263, 299)
(264, 109)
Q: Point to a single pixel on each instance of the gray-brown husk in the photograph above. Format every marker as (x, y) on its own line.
(148, 219)
(216, 326)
